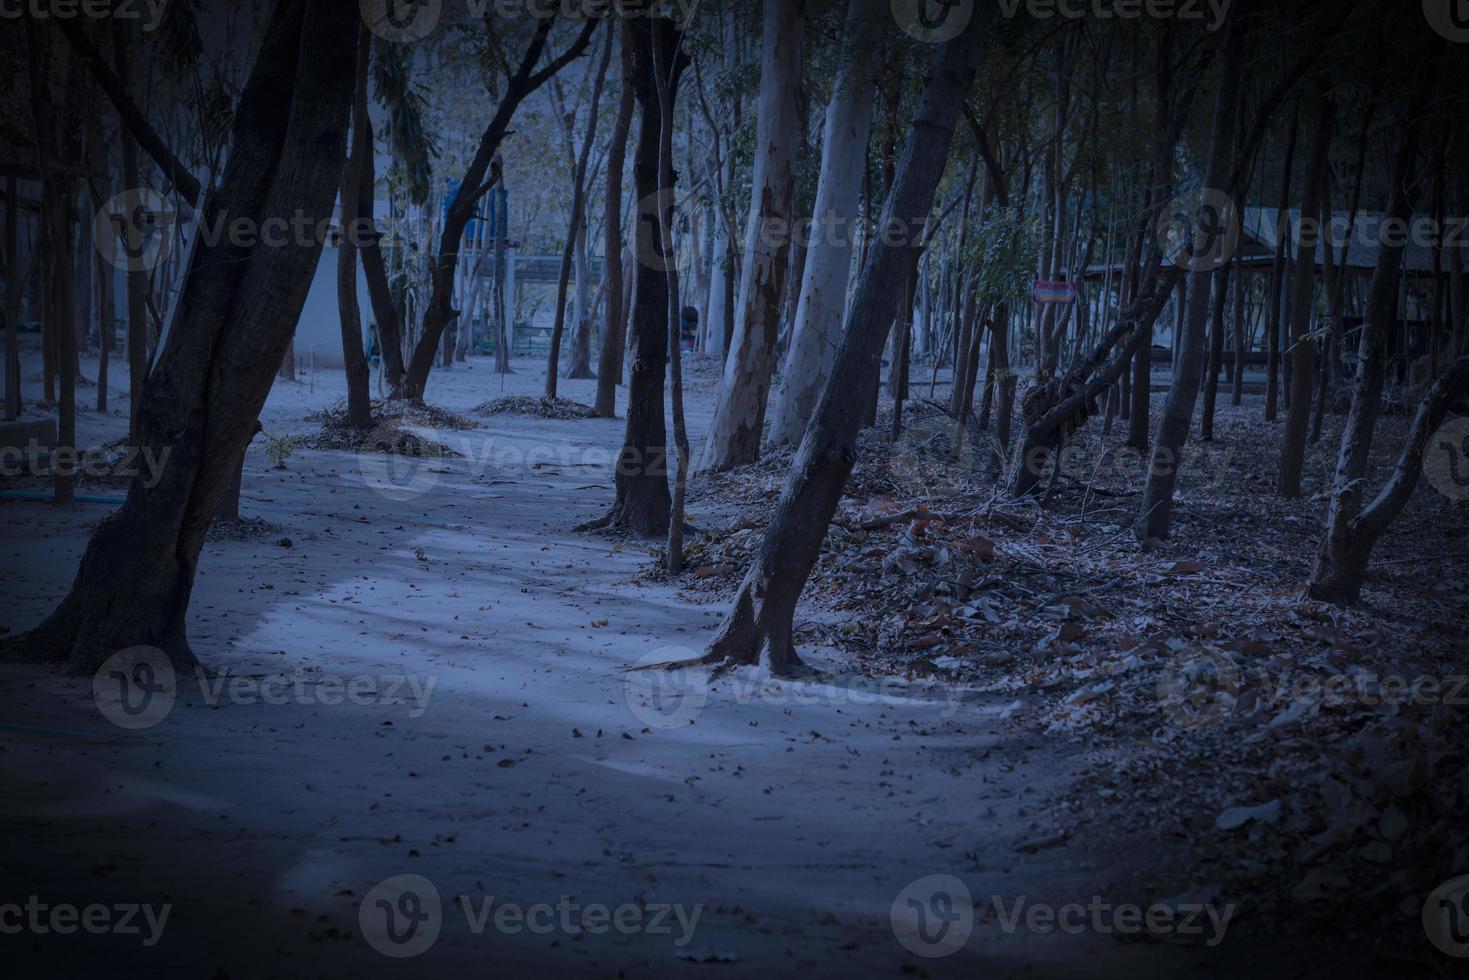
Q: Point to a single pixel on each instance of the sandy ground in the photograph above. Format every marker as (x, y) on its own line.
(496, 747)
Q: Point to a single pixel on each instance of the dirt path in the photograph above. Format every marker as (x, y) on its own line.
(494, 746)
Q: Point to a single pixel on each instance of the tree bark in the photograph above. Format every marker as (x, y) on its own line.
(1347, 544)
(739, 416)
(823, 293)
(575, 234)
(439, 312)
(12, 302)
(379, 292)
(1274, 295)
(761, 616)
(1303, 352)
(136, 280)
(609, 359)
(58, 205)
(1216, 353)
(354, 362)
(1155, 516)
(234, 318)
(643, 503)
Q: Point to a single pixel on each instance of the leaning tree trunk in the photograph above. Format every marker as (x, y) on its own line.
(761, 616)
(576, 241)
(1341, 562)
(235, 315)
(1347, 545)
(1155, 517)
(739, 416)
(440, 312)
(642, 503)
(822, 301)
(1302, 350)
(354, 362)
(614, 319)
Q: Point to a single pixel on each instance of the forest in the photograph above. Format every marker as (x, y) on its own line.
(684, 488)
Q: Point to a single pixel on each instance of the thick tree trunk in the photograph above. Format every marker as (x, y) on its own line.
(1303, 351)
(614, 321)
(823, 292)
(235, 315)
(643, 504)
(761, 616)
(354, 362)
(1155, 517)
(739, 416)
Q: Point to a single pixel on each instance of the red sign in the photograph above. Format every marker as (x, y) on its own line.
(1043, 291)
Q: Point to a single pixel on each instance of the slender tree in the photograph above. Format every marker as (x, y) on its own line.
(739, 415)
(761, 616)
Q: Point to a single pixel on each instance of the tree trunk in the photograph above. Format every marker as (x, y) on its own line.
(354, 362)
(136, 280)
(609, 359)
(666, 247)
(235, 315)
(739, 417)
(12, 302)
(823, 292)
(1350, 534)
(58, 212)
(1276, 292)
(642, 503)
(1302, 353)
(439, 312)
(1156, 514)
(761, 616)
(379, 292)
(1216, 353)
(576, 236)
